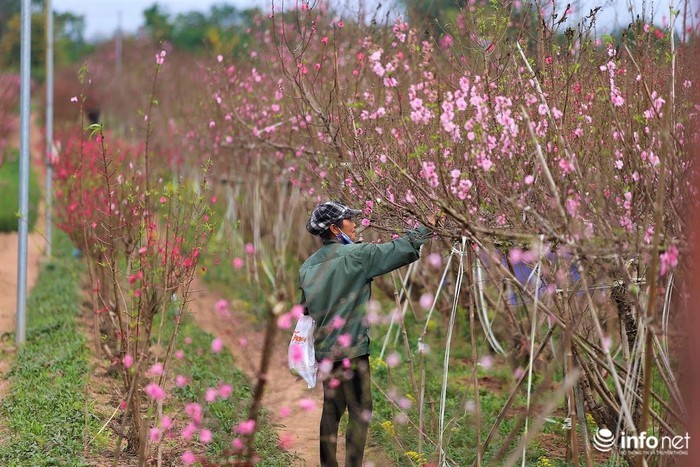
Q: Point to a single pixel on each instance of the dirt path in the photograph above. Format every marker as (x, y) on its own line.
(9, 247)
(283, 390)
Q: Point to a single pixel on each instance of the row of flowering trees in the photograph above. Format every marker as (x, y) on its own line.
(576, 170)
(9, 100)
(142, 232)
(565, 158)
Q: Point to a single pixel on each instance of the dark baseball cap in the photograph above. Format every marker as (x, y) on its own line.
(327, 214)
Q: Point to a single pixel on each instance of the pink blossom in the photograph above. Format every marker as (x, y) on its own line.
(486, 361)
(245, 428)
(163, 200)
(446, 42)
(344, 340)
(188, 340)
(572, 205)
(284, 321)
(155, 392)
(194, 411)
(243, 341)
(237, 444)
(179, 354)
(296, 353)
(221, 305)
(365, 222)
(393, 360)
(225, 391)
(237, 262)
(217, 345)
(307, 404)
(154, 434)
(160, 57)
(426, 301)
(210, 394)
(249, 248)
(470, 406)
(337, 322)
(404, 403)
(166, 422)
(188, 458)
(297, 311)
(284, 411)
(529, 179)
(156, 369)
(180, 381)
(669, 259)
(341, 24)
(325, 366)
(435, 260)
(205, 436)
(127, 361)
(286, 441)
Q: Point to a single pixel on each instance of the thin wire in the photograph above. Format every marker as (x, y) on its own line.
(446, 364)
(481, 307)
(393, 315)
(666, 313)
(437, 294)
(533, 330)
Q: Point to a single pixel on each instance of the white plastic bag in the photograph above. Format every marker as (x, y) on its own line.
(301, 354)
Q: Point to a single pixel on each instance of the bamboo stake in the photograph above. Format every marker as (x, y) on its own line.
(475, 358)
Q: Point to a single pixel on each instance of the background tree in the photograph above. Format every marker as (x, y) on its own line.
(157, 23)
(69, 39)
(222, 30)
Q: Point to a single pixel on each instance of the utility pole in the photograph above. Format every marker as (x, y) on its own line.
(49, 128)
(25, 71)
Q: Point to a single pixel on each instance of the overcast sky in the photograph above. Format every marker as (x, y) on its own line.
(102, 18)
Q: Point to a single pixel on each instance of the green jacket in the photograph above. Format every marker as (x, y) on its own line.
(335, 282)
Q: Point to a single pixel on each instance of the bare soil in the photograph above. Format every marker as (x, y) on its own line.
(283, 390)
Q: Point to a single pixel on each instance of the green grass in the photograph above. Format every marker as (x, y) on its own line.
(206, 369)
(460, 436)
(45, 412)
(9, 187)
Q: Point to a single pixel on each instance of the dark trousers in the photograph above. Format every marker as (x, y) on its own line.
(352, 391)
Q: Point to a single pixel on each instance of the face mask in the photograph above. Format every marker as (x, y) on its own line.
(343, 238)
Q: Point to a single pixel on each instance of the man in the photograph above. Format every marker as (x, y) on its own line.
(335, 284)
